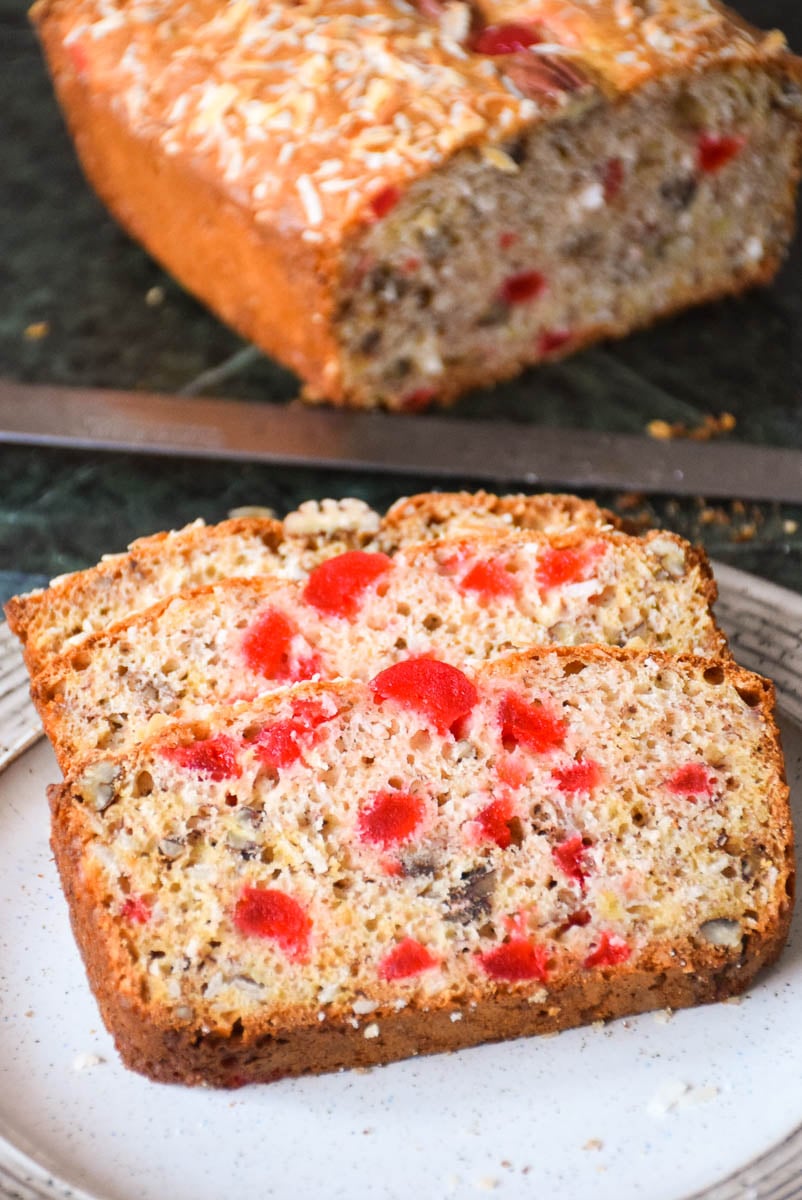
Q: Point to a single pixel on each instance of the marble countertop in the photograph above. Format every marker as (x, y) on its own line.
(81, 304)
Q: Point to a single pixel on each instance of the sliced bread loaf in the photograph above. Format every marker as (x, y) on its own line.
(343, 874)
(76, 605)
(465, 601)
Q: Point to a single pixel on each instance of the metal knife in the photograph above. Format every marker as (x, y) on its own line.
(435, 445)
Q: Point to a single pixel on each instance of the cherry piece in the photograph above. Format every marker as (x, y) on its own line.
(441, 693)
(214, 758)
(516, 960)
(552, 340)
(581, 776)
(267, 645)
(385, 201)
(522, 287)
(489, 578)
(406, 959)
(418, 399)
(691, 780)
(504, 39)
(532, 726)
(609, 951)
(136, 910)
(715, 150)
(494, 821)
(569, 856)
(390, 818)
(269, 913)
(612, 179)
(336, 586)
(572, 564)
(282, 743)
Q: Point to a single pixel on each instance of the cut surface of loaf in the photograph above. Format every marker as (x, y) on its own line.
(465, 601)
(343, 874)
(76, 605)
(441, 194)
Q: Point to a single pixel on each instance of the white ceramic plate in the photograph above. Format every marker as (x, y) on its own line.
(705, 1102)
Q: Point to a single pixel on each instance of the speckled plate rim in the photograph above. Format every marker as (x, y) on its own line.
(764, 624)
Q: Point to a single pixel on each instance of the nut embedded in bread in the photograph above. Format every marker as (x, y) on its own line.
(465, 601)
(443, 193)
(76, 605)
(343, 874)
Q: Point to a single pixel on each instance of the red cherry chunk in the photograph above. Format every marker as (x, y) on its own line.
(515, 961)
(532, 726)
(267, 648)
(136, 910)
(715, 150)
(282, 743)
(581, 776)
(489, 578)
(608, 952)
(571, 564)
(214, 758)
(570, 858)
(406, 959)
(552, 340)
(494, 821)
(505, 39)
(336, 586)
(78, 57)
(385, 201)
(522, 287)
(269, 913)
(694, 779)
(612, 179)
(418, 399)
(390, 818)
(441, 693)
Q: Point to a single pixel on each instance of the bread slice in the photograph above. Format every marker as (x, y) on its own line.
(76, 605)
(465, 601)
(345, 874)
(439, 193)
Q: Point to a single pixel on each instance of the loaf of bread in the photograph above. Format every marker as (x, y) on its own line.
(404, 201)
(465, 601)
(342, 873)
(74, 606)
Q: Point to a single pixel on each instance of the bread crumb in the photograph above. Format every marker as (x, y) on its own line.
(660, 430)
(252, 510)
(593, 1144)
(664, 1016)
(711, 426)
(155, 296)
(83, 1062)
(37, 330)
(675, 1095)
(487, 1183)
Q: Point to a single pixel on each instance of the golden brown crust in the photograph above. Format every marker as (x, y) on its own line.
(671, 975)
(254, 217)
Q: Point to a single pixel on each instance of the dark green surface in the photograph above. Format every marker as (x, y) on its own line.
(64, 262)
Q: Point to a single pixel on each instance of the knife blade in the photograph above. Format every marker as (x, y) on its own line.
(433, 445)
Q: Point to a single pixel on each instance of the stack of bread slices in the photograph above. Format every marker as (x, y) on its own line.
(346, 788)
